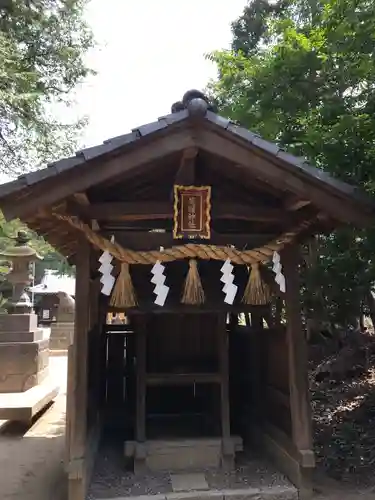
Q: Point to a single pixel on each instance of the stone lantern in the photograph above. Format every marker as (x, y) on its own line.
(21, 256)
(24, 353)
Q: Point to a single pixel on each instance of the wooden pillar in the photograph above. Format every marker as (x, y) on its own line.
(298, 373)
(233, 322)
(227, 444)
(94, 351)
(140, 449)
(94, 302)
(77, 380)
(257, 367)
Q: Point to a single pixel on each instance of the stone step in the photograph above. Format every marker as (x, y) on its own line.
(266, 493)
(181, 454)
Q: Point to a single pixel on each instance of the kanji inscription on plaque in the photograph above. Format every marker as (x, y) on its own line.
(192, 212)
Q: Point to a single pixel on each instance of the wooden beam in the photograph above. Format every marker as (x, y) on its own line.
(256, 164)
(135, 162)
(142, 240)
(155, 210)
(256, 366)
(294, 203)
(186, 173)
(140, 338)
(77, 379)
(140, 427)
(298, 367)
(81, 199)
(232, 226)
(223, 345)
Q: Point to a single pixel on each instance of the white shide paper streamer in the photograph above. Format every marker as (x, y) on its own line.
(229, 288)
(277, 269)
(105, 269)
(161, 290)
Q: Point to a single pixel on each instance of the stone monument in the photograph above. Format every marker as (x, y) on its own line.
(24, 352)
(62, 331)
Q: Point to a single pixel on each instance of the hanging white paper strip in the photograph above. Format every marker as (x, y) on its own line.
(105, 258)
(277, 269)
(108, 283)
(231, 294)
(161, 290)
(158, 279)
(105, 269)
(282, 284)
(229, 288)
(162, 295)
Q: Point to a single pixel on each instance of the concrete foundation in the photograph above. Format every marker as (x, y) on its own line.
(61, 335)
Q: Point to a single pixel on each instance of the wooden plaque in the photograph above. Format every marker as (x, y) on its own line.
(192, 212)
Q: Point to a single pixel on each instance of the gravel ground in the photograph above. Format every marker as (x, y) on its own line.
(111, 478)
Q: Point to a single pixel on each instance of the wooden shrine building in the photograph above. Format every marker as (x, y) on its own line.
(202, 221)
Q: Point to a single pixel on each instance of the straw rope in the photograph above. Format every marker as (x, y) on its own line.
(188, 251)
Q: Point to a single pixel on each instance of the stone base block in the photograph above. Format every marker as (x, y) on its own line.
(180, 454)
(23, 406)
(34, 336)
(23, 365)
(20, 323)
(61, 335)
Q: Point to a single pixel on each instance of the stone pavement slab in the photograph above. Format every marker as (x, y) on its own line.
(189, 482)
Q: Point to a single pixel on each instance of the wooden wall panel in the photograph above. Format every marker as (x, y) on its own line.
(276, 383)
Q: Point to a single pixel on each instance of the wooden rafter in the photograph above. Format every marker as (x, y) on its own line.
(259, 166)
(137, 161)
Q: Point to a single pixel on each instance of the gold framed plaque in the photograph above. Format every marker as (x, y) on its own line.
(192, 212)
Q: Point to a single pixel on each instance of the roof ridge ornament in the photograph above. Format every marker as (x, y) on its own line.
(196, 102)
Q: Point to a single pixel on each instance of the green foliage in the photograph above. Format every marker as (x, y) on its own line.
(51, 258)
(42, 48)
(302, 73)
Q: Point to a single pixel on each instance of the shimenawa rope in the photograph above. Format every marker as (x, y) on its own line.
(123, 296)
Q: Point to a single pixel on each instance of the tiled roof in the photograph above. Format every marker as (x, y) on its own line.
(195, 107)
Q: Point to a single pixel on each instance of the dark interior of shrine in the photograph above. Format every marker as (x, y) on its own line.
(183, 375)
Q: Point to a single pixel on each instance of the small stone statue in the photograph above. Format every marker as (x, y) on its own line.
(66, 308)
